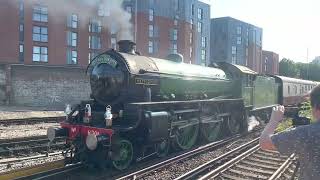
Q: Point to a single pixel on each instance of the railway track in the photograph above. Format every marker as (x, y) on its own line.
(139, 170)
(183, 157)
(10, 122)
(23, 146)
(245, 162)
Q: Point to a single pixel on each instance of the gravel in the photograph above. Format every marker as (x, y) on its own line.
(19, 131)
(28, 163)
(179, 168)
(9, 112)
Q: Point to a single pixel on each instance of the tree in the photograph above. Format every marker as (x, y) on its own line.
(288, 68)
(316, 60)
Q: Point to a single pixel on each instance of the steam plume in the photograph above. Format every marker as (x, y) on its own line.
(117, 19)
(252, 123)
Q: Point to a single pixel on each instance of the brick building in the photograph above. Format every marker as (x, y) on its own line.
(47, 33)
(236, 42)
(270, 62)
(45, 45)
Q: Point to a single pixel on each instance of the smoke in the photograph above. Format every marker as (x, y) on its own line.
(116, 19)
(252, 123)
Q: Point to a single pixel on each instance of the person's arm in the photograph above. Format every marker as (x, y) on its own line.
(265, 138)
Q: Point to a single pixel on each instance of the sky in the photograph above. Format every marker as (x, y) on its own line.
(291, 28)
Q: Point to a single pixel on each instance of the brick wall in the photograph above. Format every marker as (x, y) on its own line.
(2, 85)
(48, 86)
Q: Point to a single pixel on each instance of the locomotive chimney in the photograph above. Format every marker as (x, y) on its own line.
(127, 46)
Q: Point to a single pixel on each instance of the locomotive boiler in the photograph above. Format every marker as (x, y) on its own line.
(142, 106)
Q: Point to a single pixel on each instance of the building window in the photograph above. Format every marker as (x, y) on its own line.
(40, 34)
(176, 5)
(151, 30)
(40, 13)
(192, 9)
(199, 27)
(72, 56)
(200, 13)
(191, 51)
(21, 48)
(175, 34)
(94, 42)
(239, 29)
(113, 43)
(191, 38)
(21, 32)
(239, 40)
(203, 42)
(151, 14)
(40, 54)
(95, 26)
(72, 38)
(92, 55)
(73, 21)
(21, 9)
(265, 64)
(191, 24)
(150, 47)
(233, 50)
(203, 55)
(233, 60)
(21, 52)
(174, 48)
(175, 22)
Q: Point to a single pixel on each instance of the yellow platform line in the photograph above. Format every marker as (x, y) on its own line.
(28, 171)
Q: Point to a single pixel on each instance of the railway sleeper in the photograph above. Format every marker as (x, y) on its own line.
(257, 164)
(251, 174)
(255, 169)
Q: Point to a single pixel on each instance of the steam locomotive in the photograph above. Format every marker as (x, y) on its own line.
(142, 106)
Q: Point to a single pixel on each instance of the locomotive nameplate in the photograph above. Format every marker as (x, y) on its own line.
(104, 59)
(150, 82)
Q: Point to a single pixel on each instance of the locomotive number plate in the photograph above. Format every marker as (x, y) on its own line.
(146, 81)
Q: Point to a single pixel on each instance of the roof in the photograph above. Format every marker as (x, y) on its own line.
(244, 69)
(302, 81)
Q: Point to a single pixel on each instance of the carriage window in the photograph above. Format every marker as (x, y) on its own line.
(295, 89)
(288, 89)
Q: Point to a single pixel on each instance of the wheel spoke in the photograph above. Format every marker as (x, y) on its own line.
(126, 155)
(186, 137)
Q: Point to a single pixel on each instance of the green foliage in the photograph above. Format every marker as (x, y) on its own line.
(308, 71)
(285, 124)
(316, 60)
(306, 111)
(288, 68)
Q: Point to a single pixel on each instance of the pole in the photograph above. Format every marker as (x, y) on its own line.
(136, 21)
(308, 63)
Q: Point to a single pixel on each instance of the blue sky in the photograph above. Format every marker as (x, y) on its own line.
(290, 27)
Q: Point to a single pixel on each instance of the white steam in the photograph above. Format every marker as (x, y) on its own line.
(116, 19)
(252, 123)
